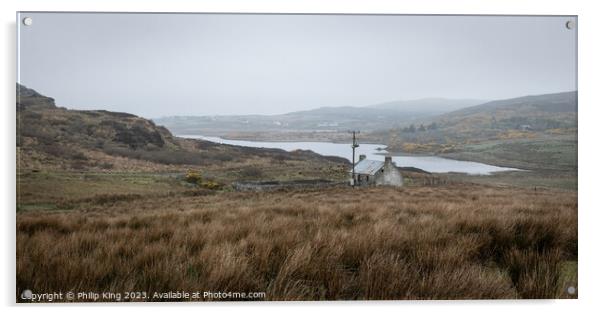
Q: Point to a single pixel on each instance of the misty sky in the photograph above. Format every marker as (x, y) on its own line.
(157, 65)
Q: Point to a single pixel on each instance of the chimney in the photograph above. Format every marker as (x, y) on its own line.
(388, 159)
(362, 157)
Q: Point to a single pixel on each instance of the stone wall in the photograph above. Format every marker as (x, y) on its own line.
(280, 185)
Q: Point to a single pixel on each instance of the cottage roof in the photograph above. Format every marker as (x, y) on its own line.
(368, 167)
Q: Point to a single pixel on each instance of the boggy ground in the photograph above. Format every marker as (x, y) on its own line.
(460, 241)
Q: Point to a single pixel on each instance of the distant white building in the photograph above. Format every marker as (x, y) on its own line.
(376, 173)
(526, 127)
(328, 124)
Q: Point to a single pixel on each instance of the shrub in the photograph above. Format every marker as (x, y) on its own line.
(193, 177)
(209, 184)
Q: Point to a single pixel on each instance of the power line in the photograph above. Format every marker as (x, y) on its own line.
(353, 146)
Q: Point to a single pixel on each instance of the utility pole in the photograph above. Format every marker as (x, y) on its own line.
(353, 146)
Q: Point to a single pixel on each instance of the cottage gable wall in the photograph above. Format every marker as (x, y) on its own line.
(390, 175)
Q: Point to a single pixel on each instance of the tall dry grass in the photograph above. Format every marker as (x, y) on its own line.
(457, 242)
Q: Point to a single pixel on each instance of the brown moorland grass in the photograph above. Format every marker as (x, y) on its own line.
(454, 242)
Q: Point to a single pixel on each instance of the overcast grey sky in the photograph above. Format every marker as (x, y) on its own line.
(158, 65)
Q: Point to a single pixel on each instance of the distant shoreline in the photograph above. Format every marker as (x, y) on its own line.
(268, 139)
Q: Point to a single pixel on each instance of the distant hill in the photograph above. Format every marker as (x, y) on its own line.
(534, 112)
(534, 118)
(550, 103)
(54, 137)
(430, 106)
(323, 119)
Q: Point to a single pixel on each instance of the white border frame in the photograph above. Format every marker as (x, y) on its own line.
(590, 207)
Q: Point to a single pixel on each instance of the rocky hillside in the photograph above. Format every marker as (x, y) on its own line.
(536, 132)
(53, 137)
(534, 112)
(524, 117)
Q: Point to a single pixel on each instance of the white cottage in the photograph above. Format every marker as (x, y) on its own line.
(376, 173)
